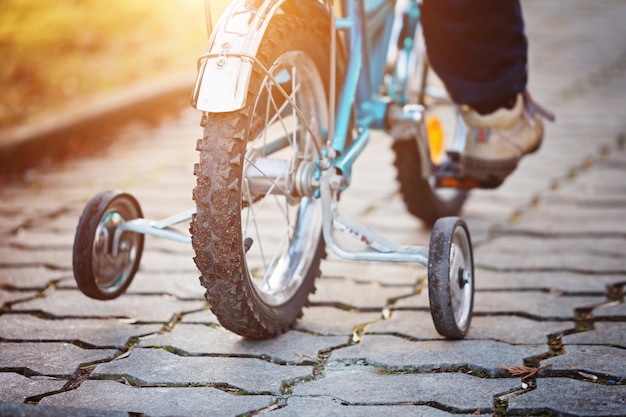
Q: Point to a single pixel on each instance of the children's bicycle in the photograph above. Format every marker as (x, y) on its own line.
(289, 92)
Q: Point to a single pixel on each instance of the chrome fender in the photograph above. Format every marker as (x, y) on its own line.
(224, 71)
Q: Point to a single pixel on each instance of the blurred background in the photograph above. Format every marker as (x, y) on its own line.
(58, 53)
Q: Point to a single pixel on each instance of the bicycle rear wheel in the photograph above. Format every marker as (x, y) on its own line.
(257, 230)
(414, 82)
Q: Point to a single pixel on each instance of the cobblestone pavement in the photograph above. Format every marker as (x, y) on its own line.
(550, 248)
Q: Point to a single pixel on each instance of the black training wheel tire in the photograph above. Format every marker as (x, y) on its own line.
(98, 273)
(451, 277)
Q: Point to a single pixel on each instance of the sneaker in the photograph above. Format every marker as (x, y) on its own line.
(496, 142)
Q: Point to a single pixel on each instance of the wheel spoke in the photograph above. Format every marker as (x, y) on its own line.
(294, 118)
(281, 202)
(278, 111)
(251, 219)
(274, 181)
(281, 265)
(269, 269)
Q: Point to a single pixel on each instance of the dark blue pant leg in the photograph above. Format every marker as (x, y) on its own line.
(478, 48)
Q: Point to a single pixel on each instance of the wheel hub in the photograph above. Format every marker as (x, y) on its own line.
(463, 278)
(281, 177)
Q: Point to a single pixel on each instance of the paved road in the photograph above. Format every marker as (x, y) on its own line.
(550, 248)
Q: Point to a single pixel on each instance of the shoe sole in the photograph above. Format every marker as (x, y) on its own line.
(493, 172)
(488, 171)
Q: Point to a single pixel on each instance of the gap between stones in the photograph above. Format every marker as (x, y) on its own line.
(30, 222)
(583, 316)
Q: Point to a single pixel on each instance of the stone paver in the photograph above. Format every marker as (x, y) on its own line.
(549, 247)
(159, 401)
(205, 316)
(101, 332)
(172, 283)
(614, 310)
(28, 410)
(166, 262)
(36, 278)
(313, 407)
(51, 258)
(17, 388)
(575, 219)
(613, 334)
(570, 254)
(413, 324)
(250, 375)
(571, 397)
(49, 358)
(394, 354)
(504, 328)
(331, 321)
(15, 296)
(554, 282)
(62, 303)
(293, 347)
(417, 300)
(370, 296)
(517, 330)
(41, 239)
(591, 360)
(358, 385)
(536, 304)
(373, 272)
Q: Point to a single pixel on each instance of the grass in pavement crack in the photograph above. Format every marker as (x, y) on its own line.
(82, 374)
(169, 326)
(319, 370)
(583, 318)
(615, 292)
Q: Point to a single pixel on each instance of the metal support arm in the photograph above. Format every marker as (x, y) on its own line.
(159, 228)
(378, 247)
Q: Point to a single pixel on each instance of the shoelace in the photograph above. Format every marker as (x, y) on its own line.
(533, 107)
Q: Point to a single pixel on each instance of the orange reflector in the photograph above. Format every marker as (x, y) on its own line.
(462, 183)
(435, 139)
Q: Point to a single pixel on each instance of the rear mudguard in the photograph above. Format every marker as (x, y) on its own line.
(225, 69)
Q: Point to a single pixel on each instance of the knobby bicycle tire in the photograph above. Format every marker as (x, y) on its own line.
(419, 195)
(221, 193)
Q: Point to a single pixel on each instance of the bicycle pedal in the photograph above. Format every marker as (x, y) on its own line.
(466, 183)
(457, 182)
(450, 175)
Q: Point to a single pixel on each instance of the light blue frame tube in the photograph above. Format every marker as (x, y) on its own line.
(363, 77)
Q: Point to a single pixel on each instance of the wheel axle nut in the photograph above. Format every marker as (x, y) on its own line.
(464, 277)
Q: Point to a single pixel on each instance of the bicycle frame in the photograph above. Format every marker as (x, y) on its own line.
(369, 33)
(367, 27)
(225, 68)
(293, 146)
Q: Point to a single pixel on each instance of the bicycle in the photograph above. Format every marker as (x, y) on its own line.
(289, 92)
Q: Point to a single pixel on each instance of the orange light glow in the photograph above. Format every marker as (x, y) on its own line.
(435, 134)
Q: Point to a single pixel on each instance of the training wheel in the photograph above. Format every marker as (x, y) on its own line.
(451, 277)
(104, 268)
